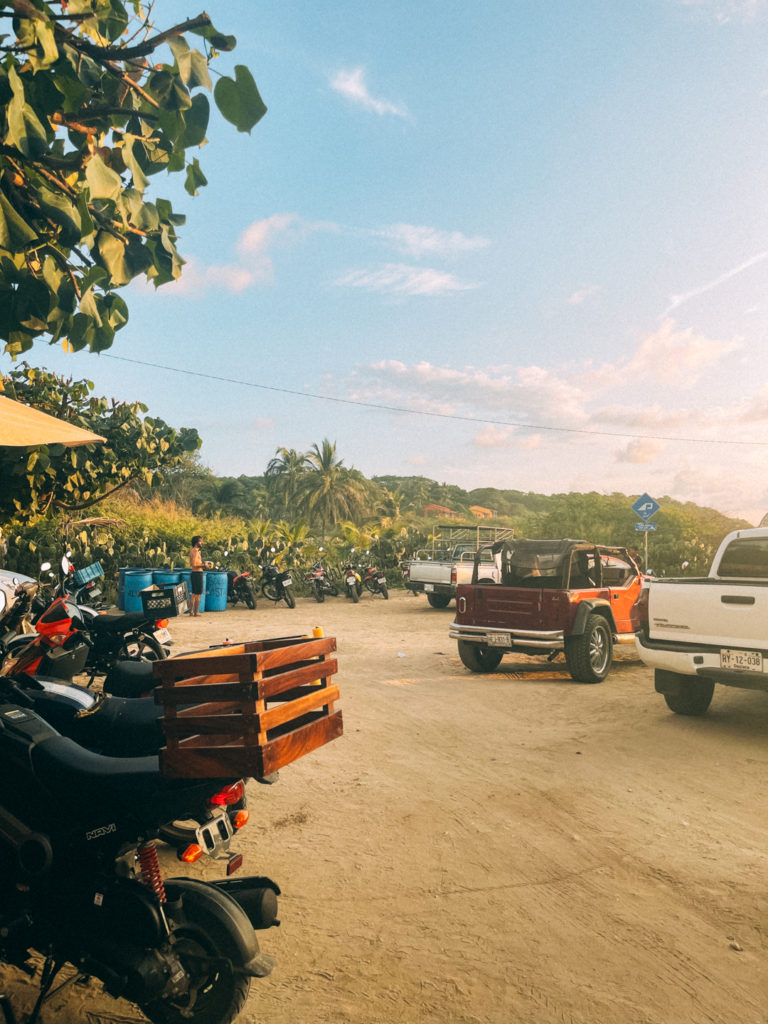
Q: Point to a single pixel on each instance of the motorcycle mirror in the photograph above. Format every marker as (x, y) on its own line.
(226, 553)
(66, 565)
(320, 549)
(45, 566)
(2, 601)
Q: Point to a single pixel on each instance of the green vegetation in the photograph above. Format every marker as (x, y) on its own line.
(146, 494)
(87, 116)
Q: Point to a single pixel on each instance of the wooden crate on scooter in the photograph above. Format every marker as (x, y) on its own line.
(247, 709)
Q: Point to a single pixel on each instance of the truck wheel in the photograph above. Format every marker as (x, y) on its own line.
(479, 657)
(692, 696)
(589, 655)
(439, 600)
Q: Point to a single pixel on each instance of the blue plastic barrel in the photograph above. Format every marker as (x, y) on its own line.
(121, 587)
(165, 577)
(215, 591)
(136, 580)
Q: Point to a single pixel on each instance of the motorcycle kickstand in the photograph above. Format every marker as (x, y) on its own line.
(51, 968)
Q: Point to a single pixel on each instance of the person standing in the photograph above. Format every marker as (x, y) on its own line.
(196, 565)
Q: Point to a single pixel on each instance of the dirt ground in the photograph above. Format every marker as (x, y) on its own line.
(512, 848)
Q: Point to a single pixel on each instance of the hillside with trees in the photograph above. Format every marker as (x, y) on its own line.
(137, 500)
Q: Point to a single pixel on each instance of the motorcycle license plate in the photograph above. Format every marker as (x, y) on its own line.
(163, 636)
(287, 581)
(741, 661)
(499, 640)
(428, 588)
(382, 581)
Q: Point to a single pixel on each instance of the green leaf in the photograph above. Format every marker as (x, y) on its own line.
(112, 252)
(60, 210)
(193, 67)
(215, 38)
(25, 132)
(195, 178)
(103, 182)
(140, 181)
(196, 121)
(239, 100)
(15, 233)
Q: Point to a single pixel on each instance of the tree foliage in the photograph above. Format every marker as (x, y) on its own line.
(88, 114)
(54, 478)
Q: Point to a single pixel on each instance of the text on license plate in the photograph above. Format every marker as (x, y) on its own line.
(428, 588)
(163, 635)
(499, 640)
(741, 661)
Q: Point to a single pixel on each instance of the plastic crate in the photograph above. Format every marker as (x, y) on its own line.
(90, 572)
(164, 602)
(247, 709)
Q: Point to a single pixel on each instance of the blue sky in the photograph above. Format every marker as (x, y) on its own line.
(542, 223)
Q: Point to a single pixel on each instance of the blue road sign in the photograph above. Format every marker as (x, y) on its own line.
(646, 527)
(646, 506)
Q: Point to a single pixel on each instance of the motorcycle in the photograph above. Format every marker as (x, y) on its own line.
(352, 580)
(81, 585)
(101, 640)
(240, 588)
(276, 585)
(320, 582)
(80, 881)
(375, 582)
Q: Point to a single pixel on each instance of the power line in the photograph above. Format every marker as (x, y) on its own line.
(435, 415)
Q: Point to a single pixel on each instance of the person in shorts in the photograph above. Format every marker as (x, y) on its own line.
(196, 565)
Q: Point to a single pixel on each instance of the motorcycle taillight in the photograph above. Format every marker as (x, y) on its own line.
(161, 623)
(229, 795)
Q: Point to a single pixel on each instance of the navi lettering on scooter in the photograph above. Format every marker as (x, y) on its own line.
(97, 833)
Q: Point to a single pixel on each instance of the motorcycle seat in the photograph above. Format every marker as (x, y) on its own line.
(120, 623)
(130, 679)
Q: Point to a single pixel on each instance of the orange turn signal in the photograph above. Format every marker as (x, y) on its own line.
(192, 853)
(241, 818)
(161, 624)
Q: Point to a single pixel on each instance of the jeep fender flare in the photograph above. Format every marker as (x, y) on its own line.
(586, 608)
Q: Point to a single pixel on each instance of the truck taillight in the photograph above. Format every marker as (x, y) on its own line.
(640, 611)
(453, 576)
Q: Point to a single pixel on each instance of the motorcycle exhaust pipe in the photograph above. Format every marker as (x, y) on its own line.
(34, 855)
(256, 895)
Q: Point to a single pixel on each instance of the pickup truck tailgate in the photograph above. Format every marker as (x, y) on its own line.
(710, 612)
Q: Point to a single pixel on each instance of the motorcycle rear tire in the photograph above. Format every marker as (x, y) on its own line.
(332, 589)
(354, 594)
(146, 648)
(384, 591)
(250, 598)
(371, 586)
(269, 590)
(318, 593)
(290, 600)
(220, 994)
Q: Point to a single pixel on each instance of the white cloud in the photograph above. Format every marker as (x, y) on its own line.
(725, 11)
(352, 85)
(582, 294)
(678, 355)
(196, 279)
(401, 279)
(417, 240)
(641, 451)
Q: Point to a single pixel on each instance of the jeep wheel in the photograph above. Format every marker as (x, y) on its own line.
(589, 656)
(479, 657)
(439, 600)
(692, 696)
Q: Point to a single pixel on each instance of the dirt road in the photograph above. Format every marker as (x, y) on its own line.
(501, 849)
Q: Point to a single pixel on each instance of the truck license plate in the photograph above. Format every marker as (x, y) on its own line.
(741, 661)
(499, 639)
(428, 588)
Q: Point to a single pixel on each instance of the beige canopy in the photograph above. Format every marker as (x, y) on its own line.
(23, 427)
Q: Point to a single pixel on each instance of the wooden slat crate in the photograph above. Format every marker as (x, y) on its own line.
(247, 709)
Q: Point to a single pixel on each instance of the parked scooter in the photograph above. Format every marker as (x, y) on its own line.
(277, 585)
(80, 881)
(81, 585)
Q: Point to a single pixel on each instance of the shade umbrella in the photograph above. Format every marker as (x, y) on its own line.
(21, 426)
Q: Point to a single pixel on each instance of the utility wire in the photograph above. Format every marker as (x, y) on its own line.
(434, 415)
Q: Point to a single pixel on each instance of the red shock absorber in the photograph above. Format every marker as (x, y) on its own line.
(151, 875)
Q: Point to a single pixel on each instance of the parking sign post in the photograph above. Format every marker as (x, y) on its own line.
(646, 507)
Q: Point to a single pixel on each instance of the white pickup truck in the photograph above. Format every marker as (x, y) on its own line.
(438, 570)
(696, 632)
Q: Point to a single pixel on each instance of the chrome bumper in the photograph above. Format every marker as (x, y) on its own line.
(547, 640)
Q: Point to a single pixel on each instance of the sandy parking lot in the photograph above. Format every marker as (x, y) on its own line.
(500, 849)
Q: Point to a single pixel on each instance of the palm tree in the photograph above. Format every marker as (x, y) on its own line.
(329, 490)
(283, 474)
